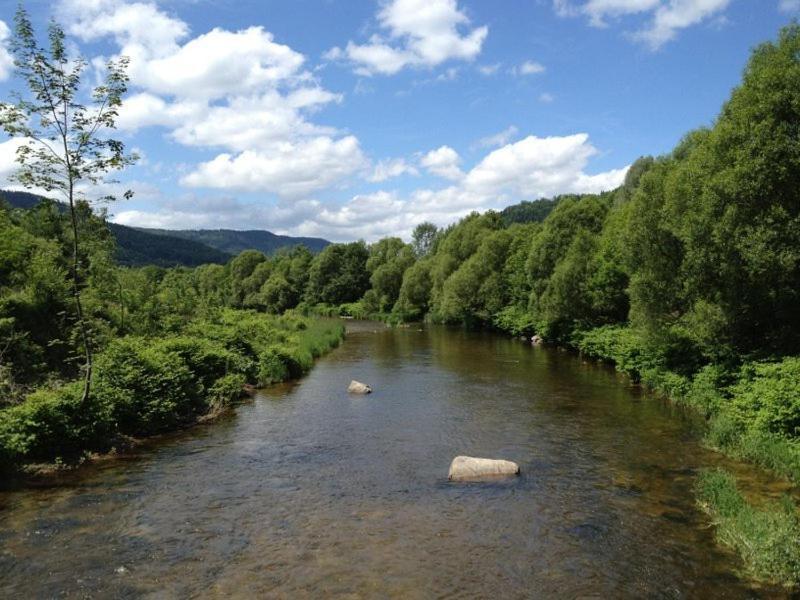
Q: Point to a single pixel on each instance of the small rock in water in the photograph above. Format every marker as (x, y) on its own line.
(467, 467)
(120, 570)
(356, 387)
(536, 340)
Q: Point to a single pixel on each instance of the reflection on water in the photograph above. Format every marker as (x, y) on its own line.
(307, 491)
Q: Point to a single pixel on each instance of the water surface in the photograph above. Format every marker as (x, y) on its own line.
(307, 491)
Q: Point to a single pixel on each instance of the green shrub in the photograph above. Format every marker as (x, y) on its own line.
(226, 390)
(514, 320)
(767, 538)
(149, 388)
(53, 423)
(768, 396)
(620, 345)
(206, 359)
(705, 392)
(272, 367)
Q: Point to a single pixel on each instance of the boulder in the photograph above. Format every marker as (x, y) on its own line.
(536, 340)
(356, 387)
(467, 467)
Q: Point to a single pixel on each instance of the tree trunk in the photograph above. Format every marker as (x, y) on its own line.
(76, 293)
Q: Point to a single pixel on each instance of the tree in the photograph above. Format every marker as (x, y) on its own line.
(338, 274)
(388, 260)
(64, 142)
(424, 236)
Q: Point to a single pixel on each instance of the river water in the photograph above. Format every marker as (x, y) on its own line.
(308, 492)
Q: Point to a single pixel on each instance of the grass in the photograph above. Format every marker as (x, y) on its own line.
(766, 538)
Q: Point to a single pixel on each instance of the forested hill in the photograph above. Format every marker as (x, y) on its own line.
(234, 242)
(164, 248)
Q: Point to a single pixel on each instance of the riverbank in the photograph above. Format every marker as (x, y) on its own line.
(146, 386)
(752, 414)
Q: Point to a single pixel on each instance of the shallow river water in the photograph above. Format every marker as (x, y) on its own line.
(308, 492)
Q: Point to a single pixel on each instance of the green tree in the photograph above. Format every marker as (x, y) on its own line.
(338, 274)
(388, 260)
(65, 142)
(423, 238)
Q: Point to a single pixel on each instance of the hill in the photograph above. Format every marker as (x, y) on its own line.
(233, 241)
(138, 246)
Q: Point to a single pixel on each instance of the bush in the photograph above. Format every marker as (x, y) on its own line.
(53, 423)
(225, 390)
(766, 538)
(768, 396)
(514, 320)
(149, 388)
(145, 386)
(207, 360)
(620, 345)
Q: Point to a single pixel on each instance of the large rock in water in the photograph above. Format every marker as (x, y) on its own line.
(467, 467)
(356, 387)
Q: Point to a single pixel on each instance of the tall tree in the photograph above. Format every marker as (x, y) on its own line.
(65, 143)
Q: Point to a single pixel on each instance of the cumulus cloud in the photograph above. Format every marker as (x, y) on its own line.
(530, 168)
(292, 170)
(665, 17)
(239, 91)
(443, 162)
(416, 33)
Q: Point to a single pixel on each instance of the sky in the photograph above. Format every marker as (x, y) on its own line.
(359, 119)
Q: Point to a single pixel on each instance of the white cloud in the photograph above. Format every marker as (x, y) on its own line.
(500, 138)
(292, 170)
(211, 65)
(419, 33)
(530, 168)
(8, 158)
(546, 98)
(666, 17)
(676, 15)
(789, 5)
(529, 67)
(390, 168)
(6, 60)
(489, 69)
(443, 162)
(239, 91)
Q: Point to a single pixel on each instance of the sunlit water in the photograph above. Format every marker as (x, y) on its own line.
(307, 491)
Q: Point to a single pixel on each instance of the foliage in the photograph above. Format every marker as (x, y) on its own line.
(338, 274)
(147, 385)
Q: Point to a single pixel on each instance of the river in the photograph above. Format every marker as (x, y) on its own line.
(307, 492)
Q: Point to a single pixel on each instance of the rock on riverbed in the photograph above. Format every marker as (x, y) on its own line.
(356, 387)
(467, 467)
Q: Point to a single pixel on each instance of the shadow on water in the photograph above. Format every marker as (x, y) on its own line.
(309, 491)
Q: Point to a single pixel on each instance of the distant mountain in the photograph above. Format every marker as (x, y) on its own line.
(233, 242)
(138, 246)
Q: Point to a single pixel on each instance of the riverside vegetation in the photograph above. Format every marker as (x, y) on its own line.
(687, 278)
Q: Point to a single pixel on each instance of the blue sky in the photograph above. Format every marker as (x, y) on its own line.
(358, 119)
